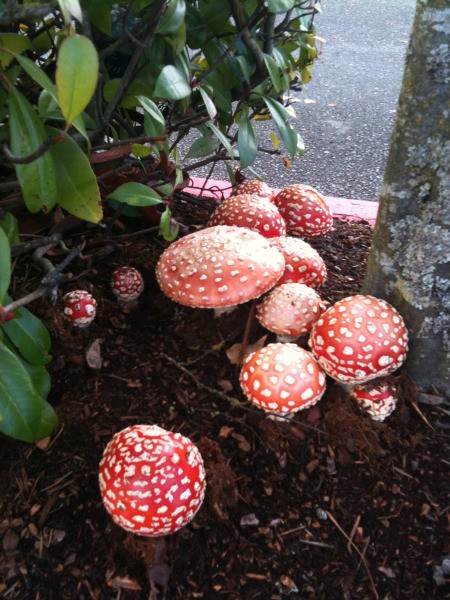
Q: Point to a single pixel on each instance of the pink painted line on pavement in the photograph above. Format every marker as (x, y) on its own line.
(342, 208)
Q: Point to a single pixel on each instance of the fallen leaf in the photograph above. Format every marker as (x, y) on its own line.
(94, 355)
(124, 583)
(234, 352)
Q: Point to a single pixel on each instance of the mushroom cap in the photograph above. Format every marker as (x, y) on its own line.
(218, 267)
(252, 212)
(305, 210)
(290, 309)
(80, 307)
(152, 481)
(303, 263)
(378, 399)
(256, 188)
(359, 338)
(127, 283)
(282, 378)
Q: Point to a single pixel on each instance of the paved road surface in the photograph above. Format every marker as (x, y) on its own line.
(346, 113)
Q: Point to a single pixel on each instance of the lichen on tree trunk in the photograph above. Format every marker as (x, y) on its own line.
(409, 262)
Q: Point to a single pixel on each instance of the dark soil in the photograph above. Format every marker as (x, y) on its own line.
(330, 505)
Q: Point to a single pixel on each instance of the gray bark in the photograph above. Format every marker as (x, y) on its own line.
(409, 262)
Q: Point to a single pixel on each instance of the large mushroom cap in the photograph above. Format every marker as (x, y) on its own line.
(152, 481)
(282, 378)
(303, 263)
(290, 309)
(251, 211)
(256, 188)
(359, 338)
(218, 267)
(305, 210)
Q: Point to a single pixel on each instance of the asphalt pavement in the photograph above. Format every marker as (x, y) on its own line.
(345, 114)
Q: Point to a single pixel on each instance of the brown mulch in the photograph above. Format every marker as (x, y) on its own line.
(330, 505)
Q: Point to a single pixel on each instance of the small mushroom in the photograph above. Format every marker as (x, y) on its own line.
(219, 267)
(305, 211)
(127, 284)
(377, 398)
(282, 378)
(290, 310)
(359, 338)
(80, 308)
(303, 263)
(255, 188)
(252, 212)
(152, 481)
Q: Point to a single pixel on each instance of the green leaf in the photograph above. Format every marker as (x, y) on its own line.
(14, 42)
(154, 121)
(24, 414)
(99, 12)
(136, 194)
(274, 72)
(171, 84)
(168, 228)
(10, 226)
(141, 151)
(173, 17)
(203, 146)
(70, 8)
(209, 104)
(247, 142)
(222, 94)
(29, 336)
(222, 139)
(245, 67)
(76, 75)
(280, 6)
(287, 132)
(38, 178)
(39, 375)
(77, 186)
(5, 264)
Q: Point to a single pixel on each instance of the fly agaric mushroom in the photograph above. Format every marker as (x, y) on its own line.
(290, 309)
(152, 481)
(252, 212)
(359, 338)
(255, 188)
(377, 398)
(219, 267)
(305, 210)
(303, 263)
(80, 308)
(127, 284)
(282, 378)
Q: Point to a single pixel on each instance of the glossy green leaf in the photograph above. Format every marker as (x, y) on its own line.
(39, 375)
(215, 13)
(15, 43)
(247, 142)
(29, 336)
(10, 227)
(24, 414)
(141, 151)
(154, 123)
(136, 194)
(99, 12)
(209, 104)
(27, 133)
(280, 116)
(5, 264)
(168, 228)
(280, 6)
(70, 8)
(177, 39)
(203, 146)
(171, 84)
(222, 139)
(245, 67)
(77, 185)
(76, 75)
(173, 16)
(274, 72)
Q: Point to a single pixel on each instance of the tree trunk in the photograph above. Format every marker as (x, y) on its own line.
(409, 262)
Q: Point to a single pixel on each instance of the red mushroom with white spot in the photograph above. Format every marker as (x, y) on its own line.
(282, 378)
(255, 188)
(219, 267)
(80, 308)
(305, 211)
(377, 398)
(303, 263)
(252, 212)
(290, 310)
(127, 284)
(152, 481)
(359, 338)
